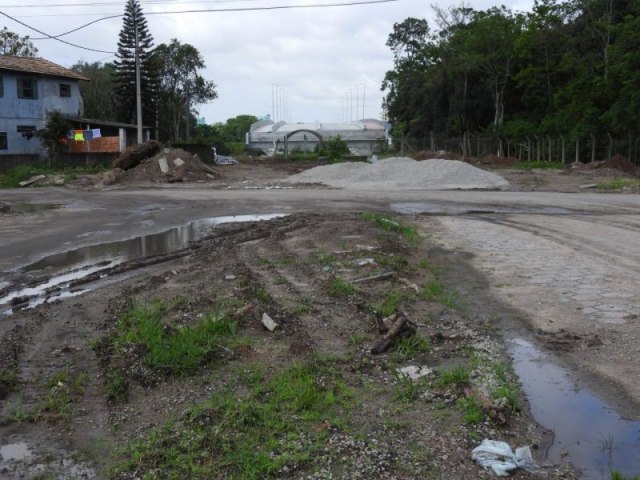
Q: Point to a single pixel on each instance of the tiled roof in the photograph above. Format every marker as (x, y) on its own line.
(38, 66)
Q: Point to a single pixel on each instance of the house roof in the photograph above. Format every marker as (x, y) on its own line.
(38, 66)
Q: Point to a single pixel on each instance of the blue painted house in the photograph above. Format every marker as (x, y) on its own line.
(29, 89)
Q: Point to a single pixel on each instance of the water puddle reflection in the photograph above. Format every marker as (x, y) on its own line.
(586, 430)
(53, 277)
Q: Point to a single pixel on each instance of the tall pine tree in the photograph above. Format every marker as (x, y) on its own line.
(125, 67)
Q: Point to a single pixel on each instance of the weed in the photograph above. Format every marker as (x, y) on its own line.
(537, 165)
(407, 232)
(61, 390)
(432, 290)
(8, 380)
(117, 387)
(275, 422)
(391, 303)
(455, 376)
(616, 475)
(471, 409)
(326, 259)
(406, 390)
(509, 392)
(617, 184)
(13, 177)
(411, 345)
(176, 351)
(340, 288)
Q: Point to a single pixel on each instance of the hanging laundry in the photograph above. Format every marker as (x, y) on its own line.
(71, 134)
(79, 135)
(88, 135)
(96, 133)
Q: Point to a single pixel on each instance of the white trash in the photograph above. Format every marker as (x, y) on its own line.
(499, 457)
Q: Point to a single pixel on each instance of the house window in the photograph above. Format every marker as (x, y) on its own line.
(65, 90)
(27, 131)
(1, 86)
(27, 88)
(3, 141)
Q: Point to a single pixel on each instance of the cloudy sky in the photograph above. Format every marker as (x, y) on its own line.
(301, 65)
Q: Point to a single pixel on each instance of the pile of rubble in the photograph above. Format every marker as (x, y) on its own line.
(167, 166)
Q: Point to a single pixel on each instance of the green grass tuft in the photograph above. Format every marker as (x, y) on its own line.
(455, 376)
(617, 184)
(407, 232)
(340, 288)
(537, 165)
(174, 350)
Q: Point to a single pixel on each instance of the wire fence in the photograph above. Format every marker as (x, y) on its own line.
(541, 148)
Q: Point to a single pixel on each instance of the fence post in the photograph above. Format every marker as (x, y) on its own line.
(528, 149)
(577, 149)
(593, 147)
(563, 150)
(402, 146)
(610, 146)
(550, 148)
(431, 142)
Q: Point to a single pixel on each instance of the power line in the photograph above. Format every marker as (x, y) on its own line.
(49, 36)
(98, 4)
(206, 10)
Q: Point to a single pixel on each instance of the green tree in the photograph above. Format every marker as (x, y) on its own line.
(54, 135)
(134, 30)
(235, 129)
(181, 87)
(13, 44)
(99, 94)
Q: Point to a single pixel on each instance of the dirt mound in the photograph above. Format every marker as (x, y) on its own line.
(135, 154)
(441, 154)
(618, 165)
(168, 166)
(497, 161)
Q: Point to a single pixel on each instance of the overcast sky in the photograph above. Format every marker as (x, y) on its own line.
(318, 63)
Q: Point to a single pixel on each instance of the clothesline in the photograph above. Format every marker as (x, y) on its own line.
(84, 135)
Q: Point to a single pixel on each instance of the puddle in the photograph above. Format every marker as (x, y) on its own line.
(15, 452)
(587, 431)
(443, 208)
(60, 272)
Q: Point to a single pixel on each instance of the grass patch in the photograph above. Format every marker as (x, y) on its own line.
(411, 345)
(471, 410)
(616, 475)
(340, 288)
(454, 376)
(537, 165)
(617, 184)
(20, 173)
(508, 392)
(435, 291)
(61, 390)
(250, 430)
(117, 387)
(407, 232)
(406, 390)
(174, 350)
(391, 303)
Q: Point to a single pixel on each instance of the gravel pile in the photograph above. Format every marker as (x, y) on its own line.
(402, 173)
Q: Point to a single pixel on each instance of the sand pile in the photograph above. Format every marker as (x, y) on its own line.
(168, 166)
(402, 173)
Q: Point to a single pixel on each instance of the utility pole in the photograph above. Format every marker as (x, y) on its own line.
(363, 97)
(138, 89)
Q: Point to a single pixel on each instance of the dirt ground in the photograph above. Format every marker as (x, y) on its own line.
(80, 396)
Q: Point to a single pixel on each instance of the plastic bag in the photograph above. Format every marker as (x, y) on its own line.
(499, 457)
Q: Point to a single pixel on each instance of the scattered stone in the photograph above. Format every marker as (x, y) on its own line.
(178, 162)
(268, 322)
(414, 372)
(229, 277)
(589, 185)
(164, 166)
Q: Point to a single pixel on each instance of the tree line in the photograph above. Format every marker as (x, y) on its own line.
(565, 68)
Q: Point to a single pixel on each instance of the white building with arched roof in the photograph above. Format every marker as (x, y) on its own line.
(364, 137)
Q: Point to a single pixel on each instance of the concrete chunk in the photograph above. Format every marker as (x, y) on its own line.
(268, 322)
(164, 165)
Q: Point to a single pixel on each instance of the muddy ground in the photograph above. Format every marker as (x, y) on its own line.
(84, 397)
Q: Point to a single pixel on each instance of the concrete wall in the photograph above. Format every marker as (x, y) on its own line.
(16, 111)
(359, 142)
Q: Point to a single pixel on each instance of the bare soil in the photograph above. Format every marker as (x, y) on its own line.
(391, 427)
(56, 359)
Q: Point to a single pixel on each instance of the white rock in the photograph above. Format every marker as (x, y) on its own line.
(414, 372)
(178, 162)
(164, 165)
(268, 322)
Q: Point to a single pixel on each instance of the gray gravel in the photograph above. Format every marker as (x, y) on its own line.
(402, 173)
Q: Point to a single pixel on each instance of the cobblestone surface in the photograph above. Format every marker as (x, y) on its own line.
(566, 273)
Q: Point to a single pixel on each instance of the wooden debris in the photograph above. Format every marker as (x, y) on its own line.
(402, 326)
(382, 276)
(243, 310)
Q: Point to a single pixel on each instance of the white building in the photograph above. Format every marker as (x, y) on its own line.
(29, 89)
(364, 137)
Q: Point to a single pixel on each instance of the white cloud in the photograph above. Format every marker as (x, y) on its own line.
(315, 56)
